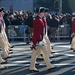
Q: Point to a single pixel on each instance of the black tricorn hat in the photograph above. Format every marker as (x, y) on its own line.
(39, 10)
(46, 9)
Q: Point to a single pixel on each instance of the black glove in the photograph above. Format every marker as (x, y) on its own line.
(33, 47)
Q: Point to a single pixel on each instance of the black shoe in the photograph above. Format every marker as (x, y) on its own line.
(41, 55)
(12, 46)
(8, 57)
(52, 68)
(51, 57)
(52, 52)
(10, 52)
(39, 58)
(37, 64)
(4, 62)
(10, 49)
(71, 49)
(4, 68)
(51, 61)
(34, 70)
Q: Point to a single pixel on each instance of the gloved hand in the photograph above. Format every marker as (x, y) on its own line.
(42, 43)
(33, 47)
(73, 34)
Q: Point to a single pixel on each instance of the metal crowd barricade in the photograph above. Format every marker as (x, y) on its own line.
(63, 31)
(16, 31)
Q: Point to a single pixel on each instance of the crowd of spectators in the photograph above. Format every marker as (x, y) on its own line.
(26, 18)
(20, 17)
(16, 17)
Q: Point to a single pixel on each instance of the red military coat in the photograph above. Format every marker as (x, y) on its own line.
(73, 26)
(38, 26)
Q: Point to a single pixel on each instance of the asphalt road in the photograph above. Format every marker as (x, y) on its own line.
(63, 58)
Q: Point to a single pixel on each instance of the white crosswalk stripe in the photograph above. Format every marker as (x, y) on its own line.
(22, 55)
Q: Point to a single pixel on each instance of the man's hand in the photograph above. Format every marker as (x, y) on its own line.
(73, 34)
(33, 47)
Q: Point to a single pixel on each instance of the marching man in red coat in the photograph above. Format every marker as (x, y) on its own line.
(73, 36)
(38, 43)
(46, 36)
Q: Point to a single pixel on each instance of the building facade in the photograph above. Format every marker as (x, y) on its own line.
(67, 5)
(17, 4)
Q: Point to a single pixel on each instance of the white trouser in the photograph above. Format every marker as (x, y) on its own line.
(48, 45)
(73, 43)
(45, 56)
(4, 47)
(5, 38)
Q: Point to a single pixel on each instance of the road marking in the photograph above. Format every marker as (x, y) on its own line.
(27, 65)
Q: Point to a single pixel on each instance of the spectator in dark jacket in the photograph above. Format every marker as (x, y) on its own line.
(54, 26)
(30, 23)
(69, 21)
(27, 36)
(7, 23)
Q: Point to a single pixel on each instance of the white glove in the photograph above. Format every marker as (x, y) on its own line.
(41, 43)
(72, 34)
